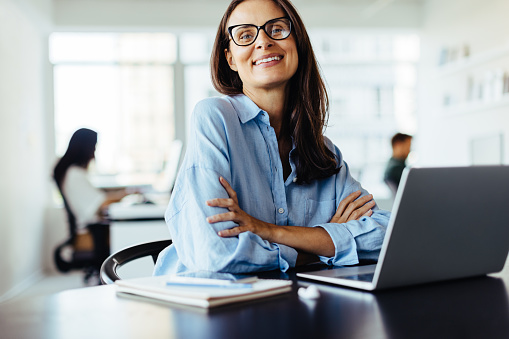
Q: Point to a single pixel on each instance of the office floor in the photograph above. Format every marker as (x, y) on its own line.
(53, 283)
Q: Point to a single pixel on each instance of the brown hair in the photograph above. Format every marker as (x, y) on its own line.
(307, 103)
(399, 137)
(80, 152)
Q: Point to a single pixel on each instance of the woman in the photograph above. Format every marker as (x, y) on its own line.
(70, 173)
(261, 188)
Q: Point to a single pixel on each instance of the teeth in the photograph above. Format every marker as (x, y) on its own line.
(267, 60)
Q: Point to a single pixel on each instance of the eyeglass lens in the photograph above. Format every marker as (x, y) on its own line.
(277, 29)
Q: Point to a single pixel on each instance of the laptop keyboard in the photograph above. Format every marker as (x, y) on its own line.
(360, 277)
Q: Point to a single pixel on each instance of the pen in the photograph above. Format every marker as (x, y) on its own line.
(186, 284)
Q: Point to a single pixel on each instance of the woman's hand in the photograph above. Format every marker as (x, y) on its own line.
(309, 241)
(353, 208)
(245, 221)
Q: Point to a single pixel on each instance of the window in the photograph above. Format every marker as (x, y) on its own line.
(195, 51)
(120, 85)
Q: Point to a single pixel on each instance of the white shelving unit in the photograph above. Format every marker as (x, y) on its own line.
(471, 84)
(477, 106)
(466, 64)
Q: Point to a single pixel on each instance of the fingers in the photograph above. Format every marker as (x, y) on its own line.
(231, 232)
(229, 216)
(346, 202)
(231, 193)
(358, 204)
(236, 214)
(362, 211)
(354, 208)
(368, 213)
(219, 202)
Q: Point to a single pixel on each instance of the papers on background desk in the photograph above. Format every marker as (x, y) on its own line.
(140, 207)
(200, 292)
(121, 211)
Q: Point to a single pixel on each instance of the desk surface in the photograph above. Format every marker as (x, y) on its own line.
(471, 308)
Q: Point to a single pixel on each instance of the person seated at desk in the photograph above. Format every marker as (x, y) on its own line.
(71, 175)
(261, 187)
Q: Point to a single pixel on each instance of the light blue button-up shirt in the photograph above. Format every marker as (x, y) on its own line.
(232, 137)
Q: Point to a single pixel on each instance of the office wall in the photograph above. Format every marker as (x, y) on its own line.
(23, 146)
(155, 14)
(463, 115)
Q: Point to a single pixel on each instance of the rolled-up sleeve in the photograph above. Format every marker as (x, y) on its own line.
(356, 239)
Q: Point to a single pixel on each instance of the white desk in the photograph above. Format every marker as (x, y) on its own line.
(136, 224)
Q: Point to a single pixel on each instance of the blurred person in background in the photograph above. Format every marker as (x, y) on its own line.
(88, 244)
(71, 176)
(401, 145)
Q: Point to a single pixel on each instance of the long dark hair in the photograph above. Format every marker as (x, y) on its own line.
(307, 103)
(80, 152)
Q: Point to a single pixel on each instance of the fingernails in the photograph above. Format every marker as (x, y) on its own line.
(220, 233)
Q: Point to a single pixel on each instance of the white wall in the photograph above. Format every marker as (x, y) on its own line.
(189, 13)
(445, 134)
(23, 141)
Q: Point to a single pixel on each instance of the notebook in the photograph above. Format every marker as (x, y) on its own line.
(200, 291)
(446, 223)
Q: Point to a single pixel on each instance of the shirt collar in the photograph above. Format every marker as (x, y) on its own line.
(246, 109)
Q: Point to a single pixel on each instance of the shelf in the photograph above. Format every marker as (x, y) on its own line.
(473, 107)
(472, 61)
(324, 62)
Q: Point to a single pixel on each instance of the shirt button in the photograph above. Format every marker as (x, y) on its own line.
(295, 179)
(281, 210)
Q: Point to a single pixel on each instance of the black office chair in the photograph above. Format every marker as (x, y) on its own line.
(87, 258)
(116, 260)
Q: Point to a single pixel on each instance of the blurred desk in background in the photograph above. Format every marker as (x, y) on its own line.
(134, 181)
(133, 224)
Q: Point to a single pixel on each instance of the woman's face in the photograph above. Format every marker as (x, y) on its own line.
(266, 63)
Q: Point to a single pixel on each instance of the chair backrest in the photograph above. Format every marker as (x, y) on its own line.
(71, 219)
(82, 258)
(116, 260)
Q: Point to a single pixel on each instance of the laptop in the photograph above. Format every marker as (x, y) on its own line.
(447, 223)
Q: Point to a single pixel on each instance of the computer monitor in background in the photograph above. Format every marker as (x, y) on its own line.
(164, 183)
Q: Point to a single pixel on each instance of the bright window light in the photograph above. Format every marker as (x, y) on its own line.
(120, 85)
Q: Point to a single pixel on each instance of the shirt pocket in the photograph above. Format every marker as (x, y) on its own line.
(319, 212)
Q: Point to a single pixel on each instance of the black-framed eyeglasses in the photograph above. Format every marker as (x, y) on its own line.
(246, 34)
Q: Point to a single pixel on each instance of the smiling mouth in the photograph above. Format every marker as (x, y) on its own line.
(261, 61)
